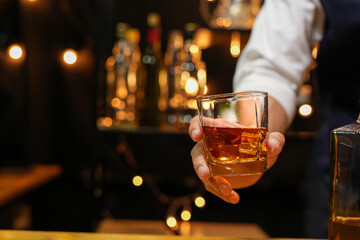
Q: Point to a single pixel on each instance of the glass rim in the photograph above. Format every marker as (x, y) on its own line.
(230, 95)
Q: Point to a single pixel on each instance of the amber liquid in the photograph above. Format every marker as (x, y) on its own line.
(344, 228)
(236, 151)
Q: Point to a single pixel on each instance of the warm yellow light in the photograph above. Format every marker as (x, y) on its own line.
(115, 102)
(235, 50)
(121, 115)
(194, 49)
(205, 89)
(162, 104)
(191, 103)
(191, 86)
(122, 104)
(186, 215)
(220, 21)
(178, 98)
(185, 228)
(171, 222)
(130, 116)
(200, 202)
(227, 22)
(109, 64)
(305, 110)
(70, 56)
(15, 51)
(205, 105)
(137, 181)
(173, 103)
(100, 122)
(235, 44)
(203, 38)
(131, 99)
(315, 51)
(107, 122)
(201, 74)
(131, 80)
(184, 76)
(122, 92)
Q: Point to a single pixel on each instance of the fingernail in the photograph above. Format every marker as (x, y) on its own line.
(223, 188)
(233, 199)
(273, 144)
(201, 171)
(194, 133)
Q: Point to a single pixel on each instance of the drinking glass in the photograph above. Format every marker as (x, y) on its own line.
(235, 129)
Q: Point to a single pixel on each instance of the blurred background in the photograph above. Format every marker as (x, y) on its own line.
(95, 100)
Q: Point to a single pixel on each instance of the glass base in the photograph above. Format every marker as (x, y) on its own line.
(253, 167)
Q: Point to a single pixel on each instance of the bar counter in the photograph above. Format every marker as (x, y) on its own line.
(43, 235)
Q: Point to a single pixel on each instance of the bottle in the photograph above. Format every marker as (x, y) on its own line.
(344, 204)
(173, 62)
(193, 76)
(134, 81)
(117, 66)
(152, 62)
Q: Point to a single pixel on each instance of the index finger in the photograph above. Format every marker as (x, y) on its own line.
(195, 131)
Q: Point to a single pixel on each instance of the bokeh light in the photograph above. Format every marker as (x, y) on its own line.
(137, 181)
(186, 215)
(171, 222)
(200, 202)
(15, 51)
(70, 56)
(191, 86)
(305, 110)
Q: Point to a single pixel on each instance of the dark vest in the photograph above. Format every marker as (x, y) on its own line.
(339, 54)
(338, 74)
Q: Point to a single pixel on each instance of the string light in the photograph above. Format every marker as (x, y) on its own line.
(70, 56)
(186, 215)
(171, 222)
(200, 202)
(15, 51)
(137, 181)
(305, 110)
(174, 203)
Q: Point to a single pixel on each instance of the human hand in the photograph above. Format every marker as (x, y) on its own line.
(223, 187)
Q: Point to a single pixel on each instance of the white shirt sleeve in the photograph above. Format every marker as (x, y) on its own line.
(279, 50)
